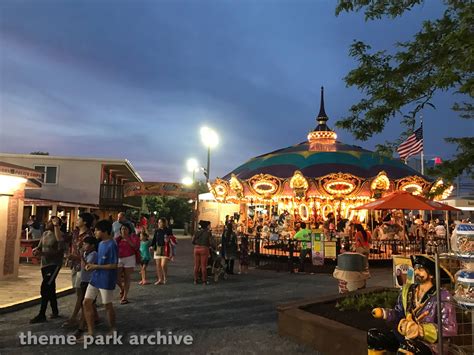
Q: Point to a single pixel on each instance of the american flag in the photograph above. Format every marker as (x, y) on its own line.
(413, 144)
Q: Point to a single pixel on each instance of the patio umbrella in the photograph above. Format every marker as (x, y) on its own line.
(403, 200)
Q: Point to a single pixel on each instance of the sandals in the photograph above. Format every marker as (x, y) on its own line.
(159, 282)
(124, 302)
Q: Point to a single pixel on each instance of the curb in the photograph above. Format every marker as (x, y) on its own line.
(12, 307)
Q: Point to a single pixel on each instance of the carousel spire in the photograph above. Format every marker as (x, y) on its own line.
(322, 138)
(322, 116)
(322, 113)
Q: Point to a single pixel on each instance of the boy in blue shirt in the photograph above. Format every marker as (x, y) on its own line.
(104, 276)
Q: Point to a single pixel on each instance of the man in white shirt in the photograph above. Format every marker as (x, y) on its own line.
(118, 223)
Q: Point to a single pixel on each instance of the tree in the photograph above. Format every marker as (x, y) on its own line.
(178, 208)
(157, 204)
(438, 58)
(39, 153)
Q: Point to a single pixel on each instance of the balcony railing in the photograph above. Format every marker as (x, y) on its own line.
(111, 195)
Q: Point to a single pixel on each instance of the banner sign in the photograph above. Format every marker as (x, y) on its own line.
(158, 189)
(330, 250)
(402, 271)
(317, 248)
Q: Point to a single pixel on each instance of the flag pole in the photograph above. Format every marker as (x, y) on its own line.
(423, 149)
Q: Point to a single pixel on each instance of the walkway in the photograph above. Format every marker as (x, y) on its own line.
(27, 286)
(237, 315)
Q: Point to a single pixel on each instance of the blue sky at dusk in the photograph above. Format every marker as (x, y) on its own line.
(137, 79)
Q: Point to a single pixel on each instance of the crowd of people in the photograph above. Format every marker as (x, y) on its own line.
(102, 255)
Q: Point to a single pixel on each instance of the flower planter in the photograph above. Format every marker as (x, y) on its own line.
(323, 334)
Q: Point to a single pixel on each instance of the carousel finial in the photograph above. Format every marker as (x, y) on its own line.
(322, 138)
(322, 113)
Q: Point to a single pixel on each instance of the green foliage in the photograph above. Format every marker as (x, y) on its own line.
(375, 9)
(39, 153)
(158, 204)
(438, 58)
(178, 208)
(368, 301)
(202, 187)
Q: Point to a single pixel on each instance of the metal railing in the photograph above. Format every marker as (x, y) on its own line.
(111, 195)
(284, 254)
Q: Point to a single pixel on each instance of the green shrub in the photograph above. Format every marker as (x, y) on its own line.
(368, 301)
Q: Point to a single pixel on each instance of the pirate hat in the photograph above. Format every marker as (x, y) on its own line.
(429, 264)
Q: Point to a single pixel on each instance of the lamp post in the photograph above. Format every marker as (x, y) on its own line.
(210, 139)
(193, 166)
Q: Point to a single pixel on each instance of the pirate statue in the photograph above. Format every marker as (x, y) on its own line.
(415, 314)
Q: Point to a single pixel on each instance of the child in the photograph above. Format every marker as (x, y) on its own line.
(88, 257)
(145, 254)
(173, 242)
(104, 277)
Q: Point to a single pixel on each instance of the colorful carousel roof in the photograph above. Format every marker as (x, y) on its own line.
(321, 167)
(344, 158)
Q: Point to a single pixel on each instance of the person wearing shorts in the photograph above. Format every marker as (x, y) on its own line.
(145, 256)
(89, 257)
(128, 247)
(104, 276)
(83, 223)
(162, 251)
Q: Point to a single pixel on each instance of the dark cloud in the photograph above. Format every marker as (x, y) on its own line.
(137, 79)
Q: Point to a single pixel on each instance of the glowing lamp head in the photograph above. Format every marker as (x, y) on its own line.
(209, 137)
(192, 165)
(187, 181)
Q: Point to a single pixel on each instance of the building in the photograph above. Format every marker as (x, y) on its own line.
(71, 185)
(13, 182)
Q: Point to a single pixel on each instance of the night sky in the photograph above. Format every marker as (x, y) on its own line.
(137, 79)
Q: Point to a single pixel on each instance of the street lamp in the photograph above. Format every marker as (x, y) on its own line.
(210, 139)
(187, 181)
(193, 166)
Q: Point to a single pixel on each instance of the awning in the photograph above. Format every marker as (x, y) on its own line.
(465, 204)
(46, 202)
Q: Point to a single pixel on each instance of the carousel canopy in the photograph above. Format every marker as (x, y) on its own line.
(321, 168)
(345, 158)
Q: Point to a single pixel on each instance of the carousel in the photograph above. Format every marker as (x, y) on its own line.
(318, 176)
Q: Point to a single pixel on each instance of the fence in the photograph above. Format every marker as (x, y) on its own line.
(284, 254)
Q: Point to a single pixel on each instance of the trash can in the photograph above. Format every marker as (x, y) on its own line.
(352, 271)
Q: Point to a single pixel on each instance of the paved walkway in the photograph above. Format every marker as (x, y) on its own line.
(26, 287)
(234, 316)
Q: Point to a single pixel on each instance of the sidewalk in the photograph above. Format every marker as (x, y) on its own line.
(233, 316)
(25, 290)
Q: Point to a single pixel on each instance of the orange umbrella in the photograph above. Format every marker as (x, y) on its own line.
(403, 200)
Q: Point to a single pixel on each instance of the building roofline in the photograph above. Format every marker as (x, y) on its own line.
(101, 160)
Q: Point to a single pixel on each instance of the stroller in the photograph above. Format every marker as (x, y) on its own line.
(216, 265)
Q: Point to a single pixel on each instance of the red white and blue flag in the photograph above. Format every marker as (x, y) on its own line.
(412, 145)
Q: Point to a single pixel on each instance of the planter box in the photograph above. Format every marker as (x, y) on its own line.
(324, 335)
